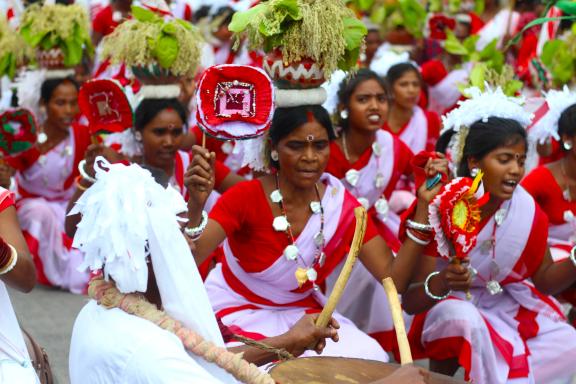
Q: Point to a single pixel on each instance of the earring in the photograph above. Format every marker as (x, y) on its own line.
(344, 114)
(274, 155)
(474, 172)
(567, 145)
(138, 136)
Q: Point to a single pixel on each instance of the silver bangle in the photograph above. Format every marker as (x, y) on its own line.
(194, 233)
(417, 240)
(427, 288)
(418, 226)
(573, 256)
(13, 261)
(83, 172)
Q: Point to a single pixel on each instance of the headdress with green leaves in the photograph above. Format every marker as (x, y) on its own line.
(14, 52)
(154, 46)
(325, 31)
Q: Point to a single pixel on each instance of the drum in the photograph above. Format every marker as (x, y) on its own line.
(340, 370)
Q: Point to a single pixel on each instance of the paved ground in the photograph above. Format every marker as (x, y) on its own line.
(49, 315)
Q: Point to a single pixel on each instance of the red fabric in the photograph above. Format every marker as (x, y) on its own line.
(33, 247)
(245, 215)
(115, 117)
(7, 199)
(476, 23)
(433, 72)
(544, 188)
(103, 23)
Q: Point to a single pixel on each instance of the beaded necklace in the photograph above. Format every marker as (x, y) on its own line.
(291, 252)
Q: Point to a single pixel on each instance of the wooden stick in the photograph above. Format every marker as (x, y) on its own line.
(203, 139)
(396, 309)
(509, 21)
(357, 240)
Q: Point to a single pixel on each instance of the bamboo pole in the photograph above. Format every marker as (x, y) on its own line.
(357, 241)
(396, 310)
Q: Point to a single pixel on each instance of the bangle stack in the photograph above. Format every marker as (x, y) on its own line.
(427, 288)
(83, 173)
(78, 182)
(195, 233)
(573, 256)
(9, 261)
(419, 233)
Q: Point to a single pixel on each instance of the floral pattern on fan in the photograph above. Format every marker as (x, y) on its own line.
(18, 130)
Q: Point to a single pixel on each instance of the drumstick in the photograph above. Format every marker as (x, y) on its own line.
(203, 139)
(396, 309)
(326, 314)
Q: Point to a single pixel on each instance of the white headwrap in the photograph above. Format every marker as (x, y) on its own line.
(385, 57)
(547, 126)
(126, 216)
(481, 106)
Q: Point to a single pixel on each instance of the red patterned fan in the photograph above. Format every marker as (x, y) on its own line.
(235, 102)
(106, 106)
(18, 131)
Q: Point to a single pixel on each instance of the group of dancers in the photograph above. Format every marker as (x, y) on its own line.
(189, 245)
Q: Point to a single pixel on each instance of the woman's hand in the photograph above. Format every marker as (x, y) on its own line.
(200, 177)
(305, 333)
(432, 168)
(457, 277)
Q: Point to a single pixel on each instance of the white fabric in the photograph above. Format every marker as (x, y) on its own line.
(496, 28)
(15, 364)
(415, 135)
(109, 346)
(124, 211)
(446, 93)
(547, 126)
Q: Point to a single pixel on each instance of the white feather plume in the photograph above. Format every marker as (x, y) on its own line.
(547, 126)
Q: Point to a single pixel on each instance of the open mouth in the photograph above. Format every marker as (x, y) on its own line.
(374, 118)
(510, 185)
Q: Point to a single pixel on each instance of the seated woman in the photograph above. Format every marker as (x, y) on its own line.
(510, 330)
(45, 178)
(16, 271)
(284, 234)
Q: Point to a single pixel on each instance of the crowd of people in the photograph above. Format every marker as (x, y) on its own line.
(209, 249)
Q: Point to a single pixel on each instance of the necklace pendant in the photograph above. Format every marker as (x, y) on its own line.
(280, 223)
(319, 239)
(376, 149)
(566, 194)
(486, 246)
(42, 160)
(322, 259)
(315, 287)
(315, 207)
(276, 196)
(382, 207)
(499, 216)
(67, 151)
(291, 252)
(494, 287)
(301, 275)
(364, 201)
(352, 177)
(379, 181)
(227, 147)
(42, 138)
(568, 216)
(311, 274)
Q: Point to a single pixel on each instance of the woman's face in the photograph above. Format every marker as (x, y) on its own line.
(503, 169)
(161, 138)
(303, 154)
(407, 90)
(62, 107)
(368, 106)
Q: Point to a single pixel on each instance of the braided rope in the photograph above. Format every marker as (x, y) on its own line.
(107, 295)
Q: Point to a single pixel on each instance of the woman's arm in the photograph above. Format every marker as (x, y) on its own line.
(552, 278)
(23, 276)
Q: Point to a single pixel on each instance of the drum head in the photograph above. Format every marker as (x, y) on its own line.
(340, 370)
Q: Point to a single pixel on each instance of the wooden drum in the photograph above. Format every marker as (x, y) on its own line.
(339, 370)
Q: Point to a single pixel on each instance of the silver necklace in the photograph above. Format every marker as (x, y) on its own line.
(345, 146)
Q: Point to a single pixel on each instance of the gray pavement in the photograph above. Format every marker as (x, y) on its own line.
(48, 315)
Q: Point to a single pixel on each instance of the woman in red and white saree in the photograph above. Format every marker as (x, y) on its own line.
(45, 179)
(284, 234)
(417, 128)
(510, 330)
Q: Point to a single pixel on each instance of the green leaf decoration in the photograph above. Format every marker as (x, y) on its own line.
(73, 53)
(479, 6)
(454, 6)
(414, 16)
(166, 50)
(567, 6)
(453, 46)
(169, 29)
(354, 32)
(145, 15)
(379, 15)
(534, 23)
(240, 20)
(557, 57)
(478, 75)
(435, 6)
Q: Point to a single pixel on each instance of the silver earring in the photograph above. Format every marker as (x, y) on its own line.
(567, 145)
(274, 155)
(138, 136)
(474, 172)
(344, 114)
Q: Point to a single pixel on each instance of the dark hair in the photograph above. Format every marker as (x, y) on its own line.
(484, 137)
(150, 108)
(398, 70)
(349, 85)
(49, 86)
(286, 120)
(567, 122)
